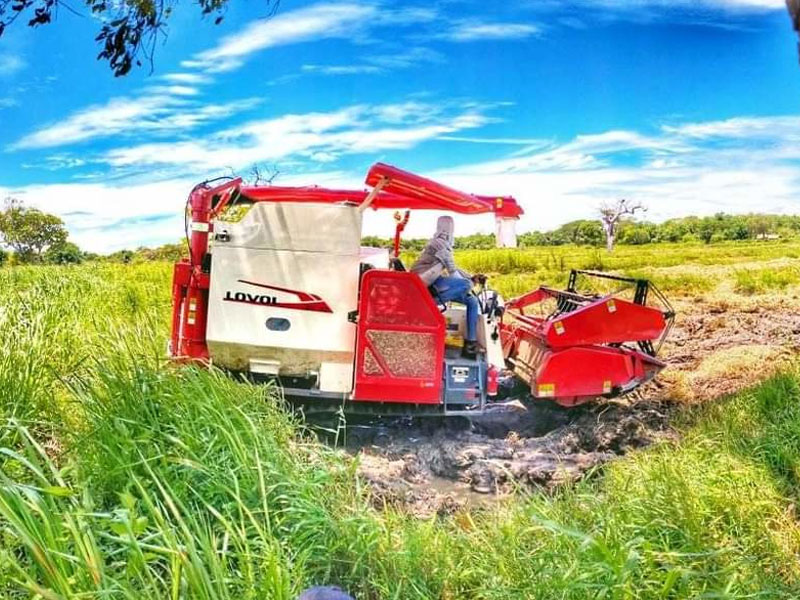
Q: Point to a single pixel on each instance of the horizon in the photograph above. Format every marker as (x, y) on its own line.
(688, 107)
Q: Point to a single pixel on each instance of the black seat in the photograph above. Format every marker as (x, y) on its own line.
(437, 298)
(395, 264)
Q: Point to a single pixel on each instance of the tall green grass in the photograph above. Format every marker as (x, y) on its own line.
(757, 281)
(124, 477)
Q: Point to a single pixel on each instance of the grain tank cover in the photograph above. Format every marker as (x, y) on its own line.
(283, 281)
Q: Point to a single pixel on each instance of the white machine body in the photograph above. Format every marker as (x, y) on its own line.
(283, 281)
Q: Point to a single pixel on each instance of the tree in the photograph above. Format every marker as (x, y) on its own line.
(263, 175)
(64, 254)
(794, 12)
(29, 232)
(706, 230)
(130, 30)
(612, 214)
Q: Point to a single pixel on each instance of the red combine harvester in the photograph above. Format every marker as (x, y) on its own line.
(278, 287)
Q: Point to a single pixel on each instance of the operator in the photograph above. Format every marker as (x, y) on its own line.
(456, 285)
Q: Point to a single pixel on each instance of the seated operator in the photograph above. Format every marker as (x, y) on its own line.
(455, 284)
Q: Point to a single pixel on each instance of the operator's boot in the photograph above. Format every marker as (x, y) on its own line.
(470, 350)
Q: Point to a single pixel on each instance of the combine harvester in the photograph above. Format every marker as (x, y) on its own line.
(285, 291)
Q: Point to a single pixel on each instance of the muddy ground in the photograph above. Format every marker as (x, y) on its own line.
(428, 466)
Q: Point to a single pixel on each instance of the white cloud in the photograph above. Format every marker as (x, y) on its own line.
(740, 127)
(725, 5)
(528, 142)
(407, 58)
(173, 90)
(105, 218)
(407, 15)
(160, 112)
(311, 136)
(380, 63)
(469, 31)
(187, 78)
(584, 152)
(10, 64)
(341, 69)
(747, 164)
(553, 198)
(330, 20)
(696, 168)
(738, 15)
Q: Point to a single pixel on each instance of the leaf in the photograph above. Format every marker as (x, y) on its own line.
(57, 490)
(119, 528)
(128, 500)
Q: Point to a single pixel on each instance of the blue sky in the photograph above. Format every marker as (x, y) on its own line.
(689, 106)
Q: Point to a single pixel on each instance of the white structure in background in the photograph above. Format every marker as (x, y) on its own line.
(506, 231)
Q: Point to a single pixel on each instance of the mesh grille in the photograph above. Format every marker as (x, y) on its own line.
(407, 354)
(371, 366)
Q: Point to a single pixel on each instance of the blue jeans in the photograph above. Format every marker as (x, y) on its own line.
(456, 289)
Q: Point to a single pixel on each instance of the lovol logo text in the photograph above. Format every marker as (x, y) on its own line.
(297, 300)
(250, 298)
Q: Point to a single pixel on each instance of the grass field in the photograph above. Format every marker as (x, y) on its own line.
(122, 476)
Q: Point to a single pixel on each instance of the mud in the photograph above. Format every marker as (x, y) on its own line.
(435, 466)
(703, 329)
(429, 467)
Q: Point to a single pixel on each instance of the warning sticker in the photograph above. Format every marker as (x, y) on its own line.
(607, 387)
(612, 306)
(559, 327)
(546, 390)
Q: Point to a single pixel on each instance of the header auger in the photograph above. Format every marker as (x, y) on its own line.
(286, 292)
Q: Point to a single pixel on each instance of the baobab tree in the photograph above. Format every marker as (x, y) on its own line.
(612, 214)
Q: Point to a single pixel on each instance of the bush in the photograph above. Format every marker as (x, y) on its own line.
(66, 253)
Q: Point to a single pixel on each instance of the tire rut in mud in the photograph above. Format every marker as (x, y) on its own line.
(428, 466)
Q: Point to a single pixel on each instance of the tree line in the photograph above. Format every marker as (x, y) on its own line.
(30, 236)
(589, 232)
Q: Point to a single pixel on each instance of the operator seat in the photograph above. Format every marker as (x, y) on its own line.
(395, 264)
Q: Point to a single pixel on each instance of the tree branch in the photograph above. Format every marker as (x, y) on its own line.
(130, 34)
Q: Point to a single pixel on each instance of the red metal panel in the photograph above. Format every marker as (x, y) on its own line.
(426, 191)
(404, 190)
(192, 342)
(400, 341)
(607, 321)
(180, 282)
(573, 375)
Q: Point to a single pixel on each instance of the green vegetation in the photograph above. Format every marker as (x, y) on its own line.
(575, 242)
(692, 230)
(677, 268)
(124, 477)
(753, 281)
(34, 236)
